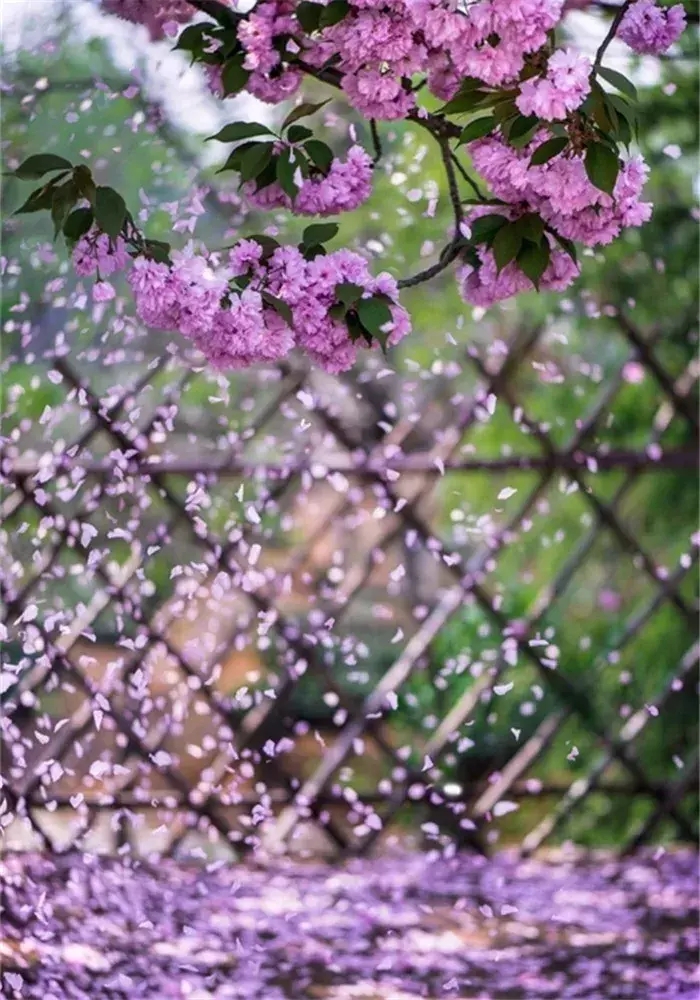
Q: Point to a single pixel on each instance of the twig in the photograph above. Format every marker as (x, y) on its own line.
(441, 131)
(452, 185)
(449, 252)
(376, 141)
(446, 257)
(611, 33)
(470, 180)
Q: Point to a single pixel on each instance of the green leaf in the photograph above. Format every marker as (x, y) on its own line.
(521, 126)
(40, 199)
(78, 223)
(320, 153)
(333, 13)
(348, 292)
(533, 260)
(548, 150)
(64, 198)
(240, 130)
(531, 227)
(82, 176)
(158, 251)
(229, 45)
(356, 330)
(309, 16)
(303, 111)
(279, 306)
(506, 244)
(469, 95)
(316, 251)
(304, 164)
(374, 314)
(110, 211)
(602, 166)
(619, 82)
(470, 83)
(220, 12)
(628, 122)
(286, 169)
(600, 109)
(337, 312)
(298, 133)
(41, 163)
(254, 160)
(624, 132)
(623, 109)
(504, 110)
(320, 232)
(477, 129)
(234, 76)
(235, 158)
(268, 175)
(485, 228)
(192, 39)
(522, 140)
(463, 103)
(566, 244)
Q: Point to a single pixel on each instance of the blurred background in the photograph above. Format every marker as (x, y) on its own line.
(502, 514)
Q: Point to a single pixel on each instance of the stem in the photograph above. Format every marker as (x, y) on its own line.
(376, 141)
(452, 185)
(611, 33)
(446, 258)
(470, 180)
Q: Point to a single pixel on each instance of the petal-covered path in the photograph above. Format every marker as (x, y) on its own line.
(392, 928)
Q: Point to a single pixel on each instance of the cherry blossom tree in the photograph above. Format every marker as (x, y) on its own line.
(536, 140)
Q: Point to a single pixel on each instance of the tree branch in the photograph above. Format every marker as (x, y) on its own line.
(442, 131)
(621, 11)
(447, 256)
(376, 141)
(470, 180)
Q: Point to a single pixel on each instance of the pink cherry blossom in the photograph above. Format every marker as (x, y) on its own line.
(650, 29)
(562, 90)
(95, 253)
(346, 186)
(154, 14)
(103, 291)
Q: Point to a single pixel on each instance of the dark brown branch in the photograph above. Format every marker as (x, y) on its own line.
(465, 176)
(621, 11)
(376, 141)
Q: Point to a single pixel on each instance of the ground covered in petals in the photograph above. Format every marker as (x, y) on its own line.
(387, 929)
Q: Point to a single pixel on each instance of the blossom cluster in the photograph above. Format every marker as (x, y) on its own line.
(378, 46)
(563, 89)
(650, 29)
(482, 283)
(96, 255)
(543, 134)
(272, 79)
(560, 191)
(346, 186)
(256, 307)
(562, 196)
(161, 17)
